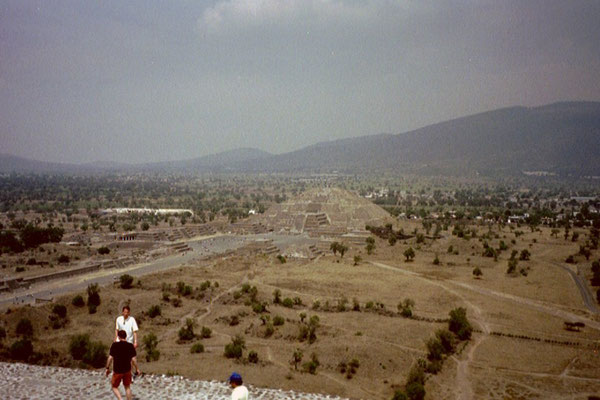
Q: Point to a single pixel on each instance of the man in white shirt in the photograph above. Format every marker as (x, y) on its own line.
(127, 323)
(240, 392)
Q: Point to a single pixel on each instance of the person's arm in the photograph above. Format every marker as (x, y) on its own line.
(108, 362)
(135, 364)
(117, 330)
(135, 342)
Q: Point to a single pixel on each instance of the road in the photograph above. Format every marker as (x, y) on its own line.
(586, 296)
(201, 248)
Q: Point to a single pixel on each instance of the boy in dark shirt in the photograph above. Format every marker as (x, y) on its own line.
(123, 353)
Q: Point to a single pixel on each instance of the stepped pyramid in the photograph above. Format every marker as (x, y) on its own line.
(324, 211)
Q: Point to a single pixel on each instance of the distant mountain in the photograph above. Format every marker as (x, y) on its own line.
(223, 161)
(561, 138)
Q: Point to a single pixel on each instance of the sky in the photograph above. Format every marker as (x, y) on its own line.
(144, 80)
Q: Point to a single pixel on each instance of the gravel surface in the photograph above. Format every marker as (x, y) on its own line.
(32, 382)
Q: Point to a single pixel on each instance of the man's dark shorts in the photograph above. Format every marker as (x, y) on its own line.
(116, 379)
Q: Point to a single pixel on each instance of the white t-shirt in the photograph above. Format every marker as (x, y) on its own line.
(128, 326)
(239, 393)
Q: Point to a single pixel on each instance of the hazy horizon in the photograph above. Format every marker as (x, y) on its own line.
(153, 81)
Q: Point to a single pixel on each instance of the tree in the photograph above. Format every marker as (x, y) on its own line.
(297, 358)
(150, 342)
(126, 281)
(235, 348)
(93, 292)
(276, 296)
(512, 266)
(342, 248)
(459, 324)
(409, 254)
(24, 328)
(103, 250)
(334, 247)
(370, 247)
(405, 307)
(357, 259)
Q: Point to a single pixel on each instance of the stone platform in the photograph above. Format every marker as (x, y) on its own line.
(32, 382)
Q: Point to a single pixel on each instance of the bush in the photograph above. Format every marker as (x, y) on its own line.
(126, 281)
(276, 296)
(312, 365)
(278, 320)
(63, 259)
(235, 348)
(2, 333)
(95, 355)
(154, 311)
(21, 350)
(477, 272)
(187, 332)
(60, 310)
(93, 292)
(253, 357)
(399, 395)
(446, 340)
(415, 391)
(92, 308)
(24, 328)
(197, 348)
(205, 332)
(78, 301)
(287, 302)
(31, 261)
(79, 345)
(150, 342)
(103, 250)
(459, 325)
(434, 349)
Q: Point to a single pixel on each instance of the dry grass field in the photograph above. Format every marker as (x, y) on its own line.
(546, 362)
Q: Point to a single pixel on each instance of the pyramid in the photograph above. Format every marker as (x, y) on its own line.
(325, 210)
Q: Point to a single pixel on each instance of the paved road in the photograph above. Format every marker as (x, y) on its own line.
(586, 296)
(200, 249)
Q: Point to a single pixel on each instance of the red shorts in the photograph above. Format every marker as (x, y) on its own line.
(116, 379)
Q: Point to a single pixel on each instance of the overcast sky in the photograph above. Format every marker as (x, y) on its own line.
(143, 80)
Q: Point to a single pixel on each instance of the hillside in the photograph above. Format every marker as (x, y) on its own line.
(561, 137)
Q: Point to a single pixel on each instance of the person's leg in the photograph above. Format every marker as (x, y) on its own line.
(117, 393)
(128, 392)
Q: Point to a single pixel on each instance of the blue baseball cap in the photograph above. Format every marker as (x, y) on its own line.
(235, 378)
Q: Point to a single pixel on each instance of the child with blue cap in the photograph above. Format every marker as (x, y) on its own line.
(239, 390)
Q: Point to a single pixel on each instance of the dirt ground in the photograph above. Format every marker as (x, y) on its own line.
(545, 362)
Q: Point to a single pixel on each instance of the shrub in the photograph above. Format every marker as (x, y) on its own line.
(459, 325)
(187, 332)
(399, 395)
(446, 340)
(154, 311)
(278, 320)
(63, 259)
(103, 250)
(235, 348)
(405, 307)
(79, 345)
(287, 302)
(197, 348)
(31, 261)
(434, 349)
(21, 350)
(415, 391)
(93, 292)
(95, 355)
(477, 272)
(2, 333)
(150, 342)
(60, 310)
(205, 332)
(512, 266)
(312, 365)
(78, 301)
(24, 328)
(92, 308)
(253, 357)
(276, 296)
(126, 281)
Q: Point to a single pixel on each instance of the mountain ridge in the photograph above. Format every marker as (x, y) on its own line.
(561, 137)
